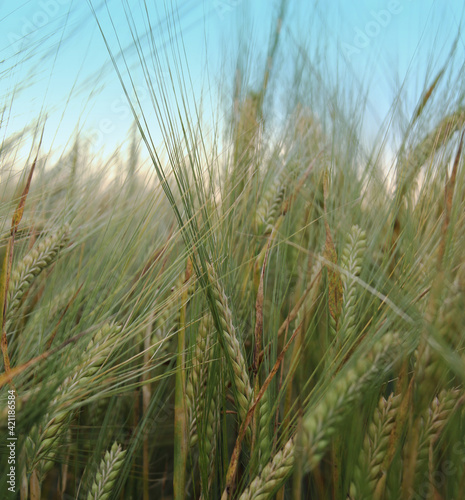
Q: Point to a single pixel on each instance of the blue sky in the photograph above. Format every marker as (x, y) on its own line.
(53, 60)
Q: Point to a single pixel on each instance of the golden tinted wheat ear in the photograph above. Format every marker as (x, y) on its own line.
(105, 478)
(243, 393)
(368, 470)
(39, 258)
(321, 423)
(42, 450)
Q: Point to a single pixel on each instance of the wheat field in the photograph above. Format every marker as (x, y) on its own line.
(265, 312)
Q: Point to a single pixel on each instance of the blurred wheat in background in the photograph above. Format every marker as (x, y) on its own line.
(259, 293)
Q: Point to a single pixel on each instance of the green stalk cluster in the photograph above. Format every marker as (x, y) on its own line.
(322, 422)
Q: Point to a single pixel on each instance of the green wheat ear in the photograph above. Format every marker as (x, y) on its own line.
(43, 448)
(352, 260)
(264, 441)
(197, 379)
(105, 477)
(433, 421)
(370, 461)
(269, 207)
(203, 407)
(38, 259)
(243, 393)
